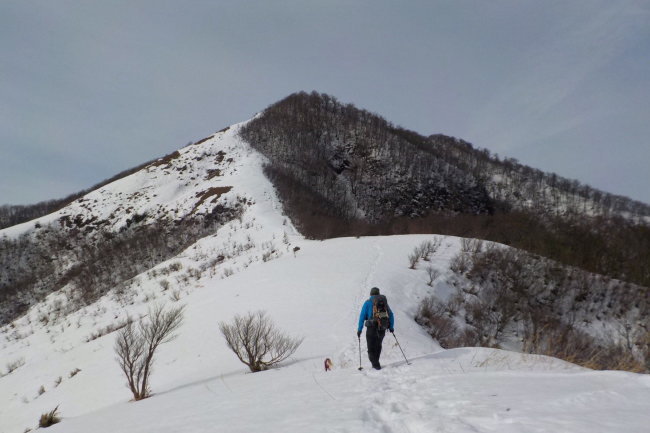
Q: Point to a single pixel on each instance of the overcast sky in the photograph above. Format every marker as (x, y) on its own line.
(91, 88)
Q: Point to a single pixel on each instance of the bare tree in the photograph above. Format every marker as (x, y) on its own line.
(471, 245)
(135, 347)
(433, 316)
(413, 259)
(257, 342)
(645, 349)
(423, 250)
(460, 263)
(433, 273)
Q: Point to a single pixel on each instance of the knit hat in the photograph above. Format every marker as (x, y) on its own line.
(374, 291)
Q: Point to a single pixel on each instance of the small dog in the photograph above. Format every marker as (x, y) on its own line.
(328, 364)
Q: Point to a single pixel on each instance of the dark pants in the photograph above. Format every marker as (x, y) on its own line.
(374, 338)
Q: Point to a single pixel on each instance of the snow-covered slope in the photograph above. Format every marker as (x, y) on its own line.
(217, 182)
(200, 386)
(312, 289)
(191, 180)
(463, 390)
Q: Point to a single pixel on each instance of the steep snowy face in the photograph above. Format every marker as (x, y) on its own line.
(106, 238)
(194, 180)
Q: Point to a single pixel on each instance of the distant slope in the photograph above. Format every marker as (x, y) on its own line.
(11, 215)
(105, 238)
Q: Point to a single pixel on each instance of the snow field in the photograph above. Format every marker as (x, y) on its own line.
(468, 390)
(200, 386)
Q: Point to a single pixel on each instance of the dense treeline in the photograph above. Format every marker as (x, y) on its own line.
(341, 171)
(365, 166)
(90, 264)
(524, 187)
(610, 246)
(360, 164)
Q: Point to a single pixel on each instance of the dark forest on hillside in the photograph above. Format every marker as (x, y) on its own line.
(342, 171)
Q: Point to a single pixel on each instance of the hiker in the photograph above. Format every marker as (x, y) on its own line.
(377, 316)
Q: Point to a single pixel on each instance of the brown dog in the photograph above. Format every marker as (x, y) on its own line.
(328, 364)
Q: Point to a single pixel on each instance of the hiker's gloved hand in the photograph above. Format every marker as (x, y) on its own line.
(391, 330)
(359, 334)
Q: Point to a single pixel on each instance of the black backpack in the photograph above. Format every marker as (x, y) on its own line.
(380, 313)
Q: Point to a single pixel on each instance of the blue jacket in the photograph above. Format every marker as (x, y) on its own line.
(366, 313)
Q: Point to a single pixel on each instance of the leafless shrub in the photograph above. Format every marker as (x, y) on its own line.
(413, 259)
(491, 312)
(565, 342)
(426, 248)
(433, 317)
(268, 255)
(41, 390)
(432, 273)
(228, 272)
(58, 381)
(164, 284)
(148, 297)
(50, 418)
(13, 365)
(471, 245)
(135, 347)
(107, 329)
(422, 251)
(468, 337)
(481, 320)
(434, 244)
(175, 296)
(44, 318)
(175, 267)
(74, 372)
(257, 342)
(454, 304)
(460, 263)
(194, 273)
(645, 350)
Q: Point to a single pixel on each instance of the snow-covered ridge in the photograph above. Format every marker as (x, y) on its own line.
(190, 180)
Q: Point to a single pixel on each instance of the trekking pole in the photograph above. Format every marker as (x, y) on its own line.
(360, 367)
(400, 348)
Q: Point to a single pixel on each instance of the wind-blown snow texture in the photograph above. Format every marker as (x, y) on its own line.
(199, 386)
